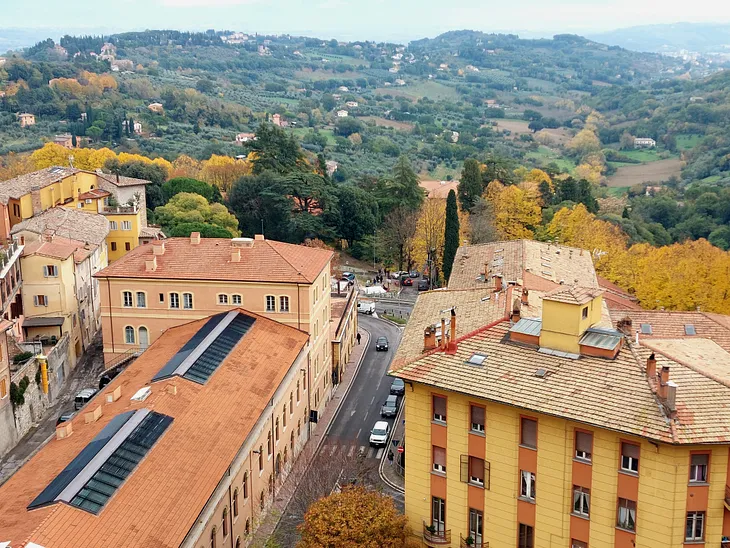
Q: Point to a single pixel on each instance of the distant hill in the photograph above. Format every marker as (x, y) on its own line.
(698, 37)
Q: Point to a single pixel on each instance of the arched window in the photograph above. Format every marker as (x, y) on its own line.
(269, 445)
(144, 337)
(129, 334)
(283, 417)
(283, 303)
(277, 468)
(299, 427)
(261, 457)
(291, 403)
(235, 503)
(291, 442)
(225, 522)
(286, 455)
(238, 542)
(247, 529)
(304, 381)
(213, 535)
(245, 486)
(297, 391)
(261, 500)
(276, 429)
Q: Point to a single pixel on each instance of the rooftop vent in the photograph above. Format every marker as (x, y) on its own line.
(242, 242)
(689, 329)
(142, 394)
(541, 373)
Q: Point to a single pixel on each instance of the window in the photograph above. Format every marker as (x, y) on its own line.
(127, 299)
(238, 542)
(3, 388)
(276, 430)
(584, 313)
(297, 391)
(439, 459)
(583, 445)
(477, 419)
(698, 468)
(270, 303)
(126, 225)
(129, 334)
(472, 470)
(114, 246)
(578, 544)
(127, 246)
(581, 501)
(269, 445)
(188, 301)
(261, 457)
(40, 300)
(245, 486)
(284, 304)
(141, 299)
(162, 297)
(247, 529)
(50, 271)
(235, 503)
(291, 442)
(213, 534)
(626, 514)
(112, 225)
(528, 433)
(690, 330)
(304, 380)
(476, 526)
(299, 427)
(695, 529)
(439, 408)
(291, 403)
(174, 300)
(222, 298)
(225, 523)
(262, 502)
(527, 485)
(630, 457)
(645, 329)
(527, 537)
(283, 417)
(438, 515)
(476, 359)
(236, 299)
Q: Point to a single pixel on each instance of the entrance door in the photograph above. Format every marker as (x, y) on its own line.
(144, 338)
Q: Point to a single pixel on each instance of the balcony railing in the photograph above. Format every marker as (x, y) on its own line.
(465, 543)
(434, 536)
(120, 209)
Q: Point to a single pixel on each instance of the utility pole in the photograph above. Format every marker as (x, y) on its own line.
(374, 239)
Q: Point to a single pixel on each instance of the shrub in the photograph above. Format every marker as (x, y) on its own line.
(22, 357)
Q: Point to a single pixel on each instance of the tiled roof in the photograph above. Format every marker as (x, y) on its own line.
(121, 180)
(617, 298)
(265, 261)
(153, 232)
(23, 184)
(612, 394)
(60, 248)
(163, 497)
(540, 265)
(67, 222)
(573, 294)
(94, 193)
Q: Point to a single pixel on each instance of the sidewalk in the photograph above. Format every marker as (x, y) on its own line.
(392, 474)
(287, 489)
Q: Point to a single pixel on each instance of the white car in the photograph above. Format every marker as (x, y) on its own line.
(379, 433)
(366, 307)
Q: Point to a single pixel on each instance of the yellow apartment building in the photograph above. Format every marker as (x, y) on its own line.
(222, 404)
(535, 418)
(155, 287)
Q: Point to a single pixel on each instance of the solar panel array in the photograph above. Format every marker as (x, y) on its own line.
(116, 469)
(203, 367)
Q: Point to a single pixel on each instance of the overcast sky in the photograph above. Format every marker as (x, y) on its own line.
(400, 20)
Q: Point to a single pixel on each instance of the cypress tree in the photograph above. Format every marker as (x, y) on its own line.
(451, 235)
(470, 185)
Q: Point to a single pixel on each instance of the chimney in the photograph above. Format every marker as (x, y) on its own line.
(114, 395)
(235, 255)
(524, 298)
(93, 416)
(259, 237)
(671, 402)
(47, 235)
(64, 430)
(486, 272)
(515, 317)
(429, 338)
(158, 247)
(150, 265)
(443, 333)
(452, 332)
(498, 282)
(35, 201)
(194, 238)
(651, 367)
(117, 179)
(624, 325)
(663, 380)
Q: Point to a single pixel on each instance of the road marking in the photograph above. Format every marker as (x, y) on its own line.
(372, 401)
(351, 452)
(366, 416)
(353, 412)
(379, 453)
(334, 448)
(358, 433)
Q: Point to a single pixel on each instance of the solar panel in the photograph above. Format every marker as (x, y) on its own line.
(689, 329)
(204, 366)
(116, 469)
(646, 329)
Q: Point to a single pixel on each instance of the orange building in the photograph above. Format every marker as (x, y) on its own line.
(158, 286)
(187, 447)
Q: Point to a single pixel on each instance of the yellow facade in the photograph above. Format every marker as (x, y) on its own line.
(563, 323)
(662, 501)
(124, 230)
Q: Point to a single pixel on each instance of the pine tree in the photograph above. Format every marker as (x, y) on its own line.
(470, 185)
(406, 186)
(451, 234)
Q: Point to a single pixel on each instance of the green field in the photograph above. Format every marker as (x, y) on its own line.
(441, 172)
(302, 131)
(617, 191)
(428, 88)
(544, 156)
(340, 59)
(642, 155)
(686, 142)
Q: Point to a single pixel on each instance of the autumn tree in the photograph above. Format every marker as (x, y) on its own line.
(398, 229)
(194, 208)
(470, 185)
(354, 518)
(223, 171)
(585, 142)
(451, 234)
(516, 213)
(428, 241)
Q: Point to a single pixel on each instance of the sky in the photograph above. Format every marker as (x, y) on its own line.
(397, 20)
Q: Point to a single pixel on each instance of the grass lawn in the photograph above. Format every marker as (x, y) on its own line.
(302, 131)
(686, 142)
(341, 59)
(643, 155)
(441, 172)
(712, 179)
(426, 88)
(396, 319)
(617, 191)
(545, 156)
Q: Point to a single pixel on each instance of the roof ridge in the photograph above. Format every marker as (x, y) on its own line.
(299, 272)
(689, 365)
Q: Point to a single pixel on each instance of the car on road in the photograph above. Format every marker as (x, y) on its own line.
(83, 397)
(390, 407)
(407, 281)
(422, 285)
(349, 276)
(379, 434)
(381, 344)
(366, 307)
(65, 417)
(398, 387)
(414, 274)
(396, 275)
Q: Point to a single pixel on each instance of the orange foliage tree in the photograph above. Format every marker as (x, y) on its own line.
(516, 211)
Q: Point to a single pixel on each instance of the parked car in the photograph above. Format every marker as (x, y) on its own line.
(381, 344)
(366, 307)
(83, 397)
(407, 281)
(415, 274)
(379, 433)
(398, 274)
(398, 387)
(390, 407)
(65, 417)
(422, 285)
(349, 276)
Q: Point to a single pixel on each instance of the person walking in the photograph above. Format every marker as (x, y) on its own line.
(390, 457)
(358, 338)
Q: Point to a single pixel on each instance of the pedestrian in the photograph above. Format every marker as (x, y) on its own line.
(358, 338)
(390, 456)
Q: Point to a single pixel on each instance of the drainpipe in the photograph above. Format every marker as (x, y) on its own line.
(299, 320)
(273, 456)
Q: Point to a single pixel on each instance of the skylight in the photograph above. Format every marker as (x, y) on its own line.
(476, 359)
(645, 329)
(689, 329)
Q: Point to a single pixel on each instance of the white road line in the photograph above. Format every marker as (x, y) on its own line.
(372, 401)
(379, 453)
(351, 452)
(332, 451)
(358, 433)
(366, 416)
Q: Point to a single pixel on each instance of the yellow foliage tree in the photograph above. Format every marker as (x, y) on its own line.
(428, 240)
(223, 171)
(185, 166)
(50, 155)
(516, 212)
(14, 165)
(585, 142)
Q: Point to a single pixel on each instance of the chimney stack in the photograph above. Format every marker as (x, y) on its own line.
(525, 295)
(515, 317)
(158, 247)
(64, 430)
(236, 255)
(258, 237)
(194, 238)
(429, 338)
(497, 283)
(443, 333)
(663, 380)
(671, 401)
(651, 367)
(150, 265)
(486, 272)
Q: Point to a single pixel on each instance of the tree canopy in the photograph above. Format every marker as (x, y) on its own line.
(186, 208)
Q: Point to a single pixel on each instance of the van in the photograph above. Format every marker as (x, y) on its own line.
(83, 397)
(366, 307)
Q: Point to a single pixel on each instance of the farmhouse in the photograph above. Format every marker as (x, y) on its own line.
(644, 142)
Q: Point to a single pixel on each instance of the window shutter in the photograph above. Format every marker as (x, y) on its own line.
(35, 300)
(630, 450)
(439, 456)
(465, 468)
(476, 468)
(45, 272)
(699, 460)
(477, 414)
(439, 406)
(583, 442)
(529, 432)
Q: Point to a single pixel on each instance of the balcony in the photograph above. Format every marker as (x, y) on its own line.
(127, 209)
(468, 542)
(437, 538)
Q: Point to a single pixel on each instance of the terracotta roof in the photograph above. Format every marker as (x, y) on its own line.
(162, 498)
(617, 298)
(67, 222)
(538, 264)
(573, 294)
(265, 261)
(121, 180)
(23, 184)
(94, 193)
(60, 248)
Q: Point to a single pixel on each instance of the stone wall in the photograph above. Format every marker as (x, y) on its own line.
(36, 402)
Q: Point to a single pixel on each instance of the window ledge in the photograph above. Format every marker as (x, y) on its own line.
(628, 473)
(583, 461)
(525, 499)
(440, 423)
(437, 473)
(581, 516)
(697, 484)
(478, 433)
(478, 486)
(694, 543)
(528, 447)
(619, 528)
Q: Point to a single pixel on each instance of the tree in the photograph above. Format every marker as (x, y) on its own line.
(428, 241)
(470, 185)
(585, 142)
(398, 229)
(204, 86)
(223, 171)
(261, 203)
(498, 168)
(275, 150)
(185, 184)
(516, 212)
(206, 230)
(347, 126)
(186, 207)
(328, 102)
(406, 189)
(451, 234)
(357, 213)
(627, 141)
(483, 228)
(355, 517)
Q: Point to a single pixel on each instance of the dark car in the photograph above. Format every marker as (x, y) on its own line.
(422, 285)
(348, 277)
(390, 407)
(415, 274)
(408, 281)
(65, 417)
(381, 344)
(398, 387)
